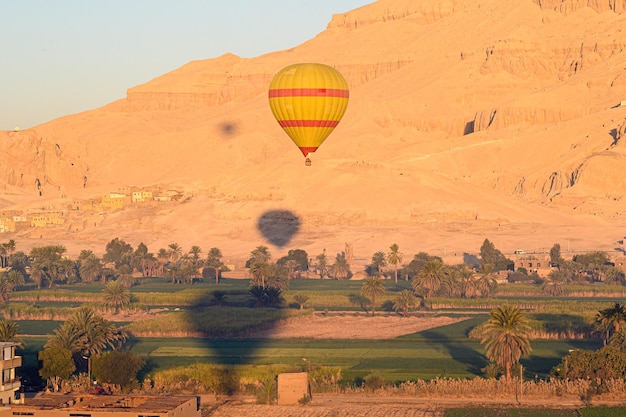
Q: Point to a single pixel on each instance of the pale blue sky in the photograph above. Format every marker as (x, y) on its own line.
(59, 57)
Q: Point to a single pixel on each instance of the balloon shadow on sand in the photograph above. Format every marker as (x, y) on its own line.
(279, 226)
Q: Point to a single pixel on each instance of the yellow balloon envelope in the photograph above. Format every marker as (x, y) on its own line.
(308, 100)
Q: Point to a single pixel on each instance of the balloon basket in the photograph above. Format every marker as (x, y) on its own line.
(307, 162)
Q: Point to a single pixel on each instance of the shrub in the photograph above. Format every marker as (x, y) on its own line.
(374, 383)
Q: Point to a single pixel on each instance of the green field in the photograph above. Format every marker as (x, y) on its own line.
(440, 352)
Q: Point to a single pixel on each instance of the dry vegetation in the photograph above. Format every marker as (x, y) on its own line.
(353, 326)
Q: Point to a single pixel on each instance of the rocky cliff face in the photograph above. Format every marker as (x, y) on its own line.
(502, 112)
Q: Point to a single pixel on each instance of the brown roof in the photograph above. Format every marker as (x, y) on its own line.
(159, 404)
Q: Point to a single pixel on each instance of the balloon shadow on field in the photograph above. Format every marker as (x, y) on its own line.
(453, 338)
(279, 226)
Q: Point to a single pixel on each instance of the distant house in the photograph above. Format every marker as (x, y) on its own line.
(15, 224)
(141, 196)
(162, 198)
(114, 200)
(44, 219)
(533, 262)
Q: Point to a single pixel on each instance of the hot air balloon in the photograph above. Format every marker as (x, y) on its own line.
(308, 101)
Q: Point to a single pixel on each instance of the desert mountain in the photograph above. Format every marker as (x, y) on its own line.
(467, 120)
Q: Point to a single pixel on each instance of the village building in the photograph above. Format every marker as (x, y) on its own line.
(10, 385)
(15, 223)
(538, 263)
(85, 205)
(141, 196)
(114, 200)
(162, 198)
(84, 405)
(45, 219)
(125, 189)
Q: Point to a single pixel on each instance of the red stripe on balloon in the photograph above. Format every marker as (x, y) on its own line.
(308, 123)
(307, 149)
(309, 92)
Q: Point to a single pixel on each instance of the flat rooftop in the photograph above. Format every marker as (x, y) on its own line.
(109, 403)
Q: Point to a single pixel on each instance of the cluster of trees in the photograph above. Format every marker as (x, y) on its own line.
(606, 363)
(49, 265)
(428, 274)
(88, 343)
(506, 337)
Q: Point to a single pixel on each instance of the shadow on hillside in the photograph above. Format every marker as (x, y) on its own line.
(279, 226)
(228, 128)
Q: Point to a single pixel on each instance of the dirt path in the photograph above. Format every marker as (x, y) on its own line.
(343, 405)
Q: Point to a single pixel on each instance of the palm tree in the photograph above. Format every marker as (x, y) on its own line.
(301, 299)
(404, 301)
(214, 262)
(278, 277)
(116, 295)
(6, 250)
(174, 252)
(195, 252)
(373, 287)
(38, 275)
(162, 257)
(340, 269)
(467, 283)
(378, 262)
(429, 277)
(451, 285)
(65, 337)
(9, 331)
(219, 298)
(613, 317)
(265, 297)
(90, 268)
(394, 257)
(487, 283)
(260, 271)
(292, 266)
(95, 333)
(322, 264)
(48, 262)
(259, 254)
(553, 288)
(506, 337)
(8, 282)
